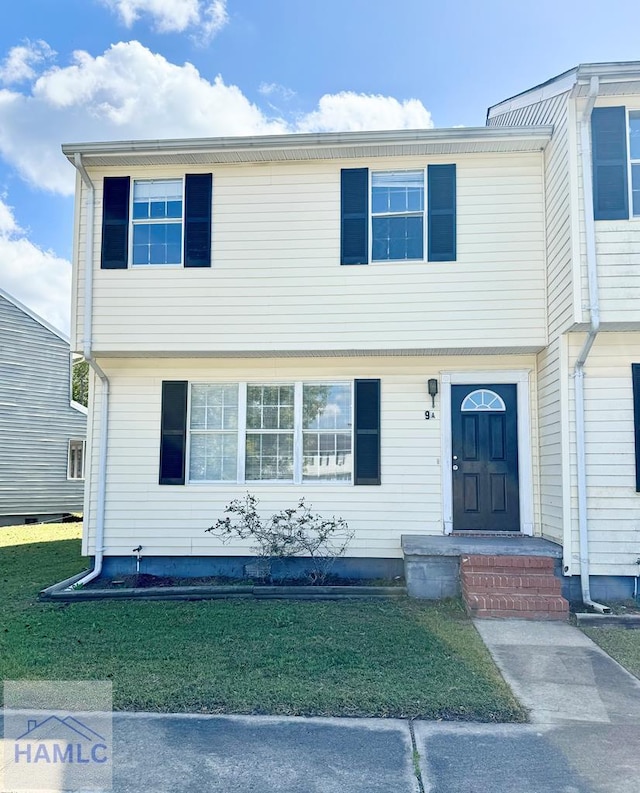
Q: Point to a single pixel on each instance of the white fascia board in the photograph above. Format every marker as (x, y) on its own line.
(622, 71)
(609, 72)
(314, 145)
(558, 85)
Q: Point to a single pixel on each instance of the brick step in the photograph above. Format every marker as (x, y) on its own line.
(519, 615)
(501, 583)
(517, 605)
(506, 564)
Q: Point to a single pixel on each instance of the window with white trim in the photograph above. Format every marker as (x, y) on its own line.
(75, 459)
(397, 215)
(213, 422)
(157, 222)
(634, 156)
(271, 432)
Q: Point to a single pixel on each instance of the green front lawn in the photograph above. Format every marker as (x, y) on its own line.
(398, 658)
(622, 644)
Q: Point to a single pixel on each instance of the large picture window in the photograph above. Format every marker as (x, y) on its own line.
(283, 432)
(269, 441)
(213, 423)
(326, 432)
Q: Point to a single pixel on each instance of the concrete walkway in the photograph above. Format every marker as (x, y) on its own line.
(584, 737)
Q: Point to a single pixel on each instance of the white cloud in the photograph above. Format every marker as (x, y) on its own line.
(350, 112)
(129, 92)
(207, 17)
(275, 89)
(38, 278)
(19, 64)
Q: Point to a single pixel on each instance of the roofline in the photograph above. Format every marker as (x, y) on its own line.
(608, 71)
(266, 143)
(33, 315)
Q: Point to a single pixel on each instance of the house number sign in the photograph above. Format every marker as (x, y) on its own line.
(429, 414)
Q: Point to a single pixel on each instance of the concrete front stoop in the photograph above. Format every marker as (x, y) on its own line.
(498, 576)
(512, 586)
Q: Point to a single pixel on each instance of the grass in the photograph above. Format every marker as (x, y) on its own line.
(622, 644)
(402, 659)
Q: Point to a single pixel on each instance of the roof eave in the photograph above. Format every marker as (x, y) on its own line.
(259, 147)
(606, 71)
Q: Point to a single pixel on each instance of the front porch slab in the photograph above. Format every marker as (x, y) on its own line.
(432, 563)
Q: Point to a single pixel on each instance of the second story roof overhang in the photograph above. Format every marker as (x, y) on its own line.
(305, 146)
(619, 78)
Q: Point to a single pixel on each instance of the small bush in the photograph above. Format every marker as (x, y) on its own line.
(291, 532)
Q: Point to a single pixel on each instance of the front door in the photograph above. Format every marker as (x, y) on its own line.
(484, 442)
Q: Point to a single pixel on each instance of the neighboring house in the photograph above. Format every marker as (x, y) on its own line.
(42, 431)
(274, 315)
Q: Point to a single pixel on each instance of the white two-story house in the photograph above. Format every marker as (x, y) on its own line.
(388, 324)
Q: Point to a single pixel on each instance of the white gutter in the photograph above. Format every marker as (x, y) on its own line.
(594, 314)
(88, 355)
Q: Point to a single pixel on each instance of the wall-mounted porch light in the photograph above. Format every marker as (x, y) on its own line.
(432, 386)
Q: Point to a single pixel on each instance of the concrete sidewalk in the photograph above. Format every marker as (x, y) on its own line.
(584, 737)
(560, 674)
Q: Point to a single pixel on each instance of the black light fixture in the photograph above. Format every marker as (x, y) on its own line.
(432, 386)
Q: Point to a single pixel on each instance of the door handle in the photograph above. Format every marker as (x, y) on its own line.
(455, 467)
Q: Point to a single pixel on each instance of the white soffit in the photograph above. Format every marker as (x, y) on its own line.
(327, 146)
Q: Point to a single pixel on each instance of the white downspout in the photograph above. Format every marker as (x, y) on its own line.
(88, 355)
(594, 314)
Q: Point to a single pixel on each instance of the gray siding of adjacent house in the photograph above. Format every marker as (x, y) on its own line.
(36, 420)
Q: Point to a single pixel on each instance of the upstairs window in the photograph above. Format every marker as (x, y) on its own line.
(634, 155)
(157, 222)
(397, 215)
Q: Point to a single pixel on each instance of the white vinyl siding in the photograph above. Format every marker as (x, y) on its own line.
(36, 419)
(277, 229)
(558, 203)
(612, 502)
(550, 419)
(618, 256)
(172, 520)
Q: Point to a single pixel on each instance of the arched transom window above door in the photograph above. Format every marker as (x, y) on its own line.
(483, 399)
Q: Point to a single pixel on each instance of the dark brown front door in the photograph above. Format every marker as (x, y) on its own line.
(484, 429)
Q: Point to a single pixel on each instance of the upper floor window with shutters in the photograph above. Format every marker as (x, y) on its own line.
(397, 215)
(634, 155)
(157, 222)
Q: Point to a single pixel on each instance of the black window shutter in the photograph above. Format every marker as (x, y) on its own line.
(441, 233)
(609, 154)
(635, 376)
(173, 432)
(197, 220)
(115, 223)
(354, 216)
(367, 432)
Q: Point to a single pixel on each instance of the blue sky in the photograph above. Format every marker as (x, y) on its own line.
(73, 70)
